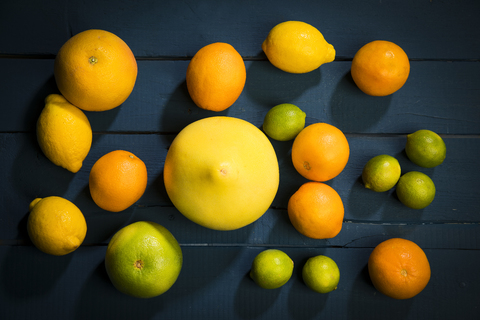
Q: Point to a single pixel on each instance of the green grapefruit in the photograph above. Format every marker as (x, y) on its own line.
(221, 173)
(143, 259)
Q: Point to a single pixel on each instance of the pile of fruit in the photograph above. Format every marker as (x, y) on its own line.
(96, 71)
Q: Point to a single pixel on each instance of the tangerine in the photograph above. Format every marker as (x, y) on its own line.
(117, 180)
(399, 268)
(316, 210)
(320, 152)
(95, 70)
(216, 76)
(380, 68)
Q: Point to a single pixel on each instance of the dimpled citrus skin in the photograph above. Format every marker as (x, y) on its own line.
(221, 173)
(64, 133)
(320, 152)
(95, 70)
(216, 76)
(55, 225)
(297, 47)
(380, 68)
(399, 268)
(381, 173)
(271, 269)
(117, 180)
(143, 259)
(321, 274)
(316, 210)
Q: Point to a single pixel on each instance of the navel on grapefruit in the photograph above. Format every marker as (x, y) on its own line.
(221, 172)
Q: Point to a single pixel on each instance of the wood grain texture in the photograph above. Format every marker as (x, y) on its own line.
(424, 29)
(442, 94)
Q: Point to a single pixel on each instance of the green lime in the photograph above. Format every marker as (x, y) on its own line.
(321, 274)
(271, 269)
(284, 121)
(381, 173)
(415, 190)
(425, 148)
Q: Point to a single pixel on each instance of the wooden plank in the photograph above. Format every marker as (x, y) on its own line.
(173, 28)
(214, 284)
(160, 101)
(28, 174)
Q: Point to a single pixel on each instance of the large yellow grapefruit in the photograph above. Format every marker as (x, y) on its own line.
(221, 173)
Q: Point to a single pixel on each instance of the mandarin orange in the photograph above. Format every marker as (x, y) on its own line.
(380, 68)
(95, 70)
(117, 180)
(399, 268)
(216, 76)
(320, 152)
(316, 210)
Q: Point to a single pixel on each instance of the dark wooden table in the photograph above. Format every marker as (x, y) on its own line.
(442, 40)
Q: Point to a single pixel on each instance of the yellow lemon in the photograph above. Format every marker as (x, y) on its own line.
(297, 47)
(143, 259)
(64, 133)
(221, 173)
(55, 225)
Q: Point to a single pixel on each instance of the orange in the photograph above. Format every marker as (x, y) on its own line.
(117, 180)
(216, 76)
(95, 70)
(320, 152)
(399, 268)
(380, 68)
(316, 210)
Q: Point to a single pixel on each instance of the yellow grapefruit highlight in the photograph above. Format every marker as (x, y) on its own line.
(221, 173)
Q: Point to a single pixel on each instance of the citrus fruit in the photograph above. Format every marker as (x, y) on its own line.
(380, 68)
(216, 76)
(399, 268)
(64, 133)
(143, 259)
(117, 180)
(297, 47)
(425, 148)
(95, 70)
(55, 225)
(381, 173)
(271, 269)
(320, 152)
(415, 190)
(321, 274)
(221, 172)
(284, 121)
(316, 210)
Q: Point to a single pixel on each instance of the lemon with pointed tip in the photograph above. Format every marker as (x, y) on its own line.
(64, 133)
(271, 269)
(297, 47)
(381, 173)
(55, 225)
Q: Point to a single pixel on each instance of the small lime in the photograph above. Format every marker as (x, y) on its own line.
(284, 121)
(415, 190)
(425, 148)
(321, 274)
(271, 269)
(381, 173)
